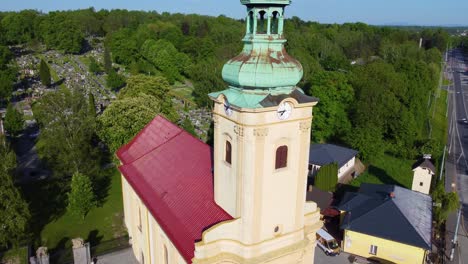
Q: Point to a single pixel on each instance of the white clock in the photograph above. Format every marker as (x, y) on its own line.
(227, 108)
(284, 110)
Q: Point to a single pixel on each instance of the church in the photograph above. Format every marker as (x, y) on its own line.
(244, 199)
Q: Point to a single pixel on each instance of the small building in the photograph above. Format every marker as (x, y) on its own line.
(423, 170)
(387, 222)
(324, 154)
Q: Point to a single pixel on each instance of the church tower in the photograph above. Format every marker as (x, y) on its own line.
(261, 150)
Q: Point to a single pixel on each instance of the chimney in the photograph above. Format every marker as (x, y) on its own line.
(392, 195)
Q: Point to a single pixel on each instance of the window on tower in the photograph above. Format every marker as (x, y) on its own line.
(275, 23)
(228, 157)
(262, 23)
(281, 157)
(250, 23)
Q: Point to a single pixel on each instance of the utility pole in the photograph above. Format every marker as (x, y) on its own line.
(455, 235)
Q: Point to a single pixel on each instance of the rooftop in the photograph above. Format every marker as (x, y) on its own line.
(389, 212)
(171, 171)
(426, 164)
(324, 154)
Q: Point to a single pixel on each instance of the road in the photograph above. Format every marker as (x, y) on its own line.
(457, 161)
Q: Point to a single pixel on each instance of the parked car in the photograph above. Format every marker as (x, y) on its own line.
(326, 242)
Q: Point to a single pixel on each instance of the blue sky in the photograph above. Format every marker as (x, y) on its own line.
(420, 12)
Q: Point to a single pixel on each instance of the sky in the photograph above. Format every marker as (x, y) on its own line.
(376, 12)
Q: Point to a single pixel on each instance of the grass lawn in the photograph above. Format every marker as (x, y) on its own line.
(391, 170)
(101, 224)
(387, 170)
(15, 256)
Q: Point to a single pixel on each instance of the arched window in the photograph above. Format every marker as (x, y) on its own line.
(281, 157)
(228, 156)
(166, 255)
(251, 22)
(275, 23)
(262, 22)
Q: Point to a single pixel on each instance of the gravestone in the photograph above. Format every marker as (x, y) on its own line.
(42, 256)
(81, 251)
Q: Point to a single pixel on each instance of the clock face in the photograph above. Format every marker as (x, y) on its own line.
(227, 108)
(284, 110)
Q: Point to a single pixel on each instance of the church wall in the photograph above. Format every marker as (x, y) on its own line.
(148, 240)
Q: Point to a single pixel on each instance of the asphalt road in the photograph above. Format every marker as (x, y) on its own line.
(457, 160)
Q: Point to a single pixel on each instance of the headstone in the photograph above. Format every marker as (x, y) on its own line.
(42, 256)
(81, 251)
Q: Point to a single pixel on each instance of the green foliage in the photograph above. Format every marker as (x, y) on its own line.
(446, 203)
(114, 80)
(67, 131)
(166, 58)
(13, 208)
(44, 73)
(91, 105)
(6, 85)
(124, 118)
(59, 31)
(327, 177)
(14, 121)
(81, 198)
(107, 60)
(19, 27)
(336, 94)
(5, 57)
(124, 47)
(188, 126)
(94, 66)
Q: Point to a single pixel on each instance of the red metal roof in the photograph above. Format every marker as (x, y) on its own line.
(171, 171)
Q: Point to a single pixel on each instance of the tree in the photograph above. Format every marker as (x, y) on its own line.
(114, 80)
(6, 86)
(124, 118)
(188, 126)
(107, 60)
(94, 66)
(13, 208)
(67, 132)
(14, 121)
(91, 105)
(44, 73)
(446, 203)
(327, 177)
(81, 198)
(156, 86)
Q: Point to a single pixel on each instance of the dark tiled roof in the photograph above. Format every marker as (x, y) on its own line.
(324, 154)
(405, 218)
(170, 170)
(274, 100)
(425, 163)
(321, 198)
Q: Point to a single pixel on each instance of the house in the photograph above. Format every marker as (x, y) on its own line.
(324, 154)
(424, 170)
(242, 201)
(387, 222)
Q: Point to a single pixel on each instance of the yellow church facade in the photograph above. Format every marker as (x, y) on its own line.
(244, 200)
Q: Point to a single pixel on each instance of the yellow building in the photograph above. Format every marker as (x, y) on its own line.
(387, 223)
(245, 200)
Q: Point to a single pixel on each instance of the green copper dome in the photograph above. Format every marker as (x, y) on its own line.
(264, 62)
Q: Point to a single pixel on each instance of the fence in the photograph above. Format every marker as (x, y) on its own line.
(65, 256)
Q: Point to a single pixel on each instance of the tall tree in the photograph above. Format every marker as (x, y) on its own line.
(13, 208)
(14, 121)
(44, 73)
(327, 177)
(107, 60)
(81, 198)
(446, 203)
(67, 131)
